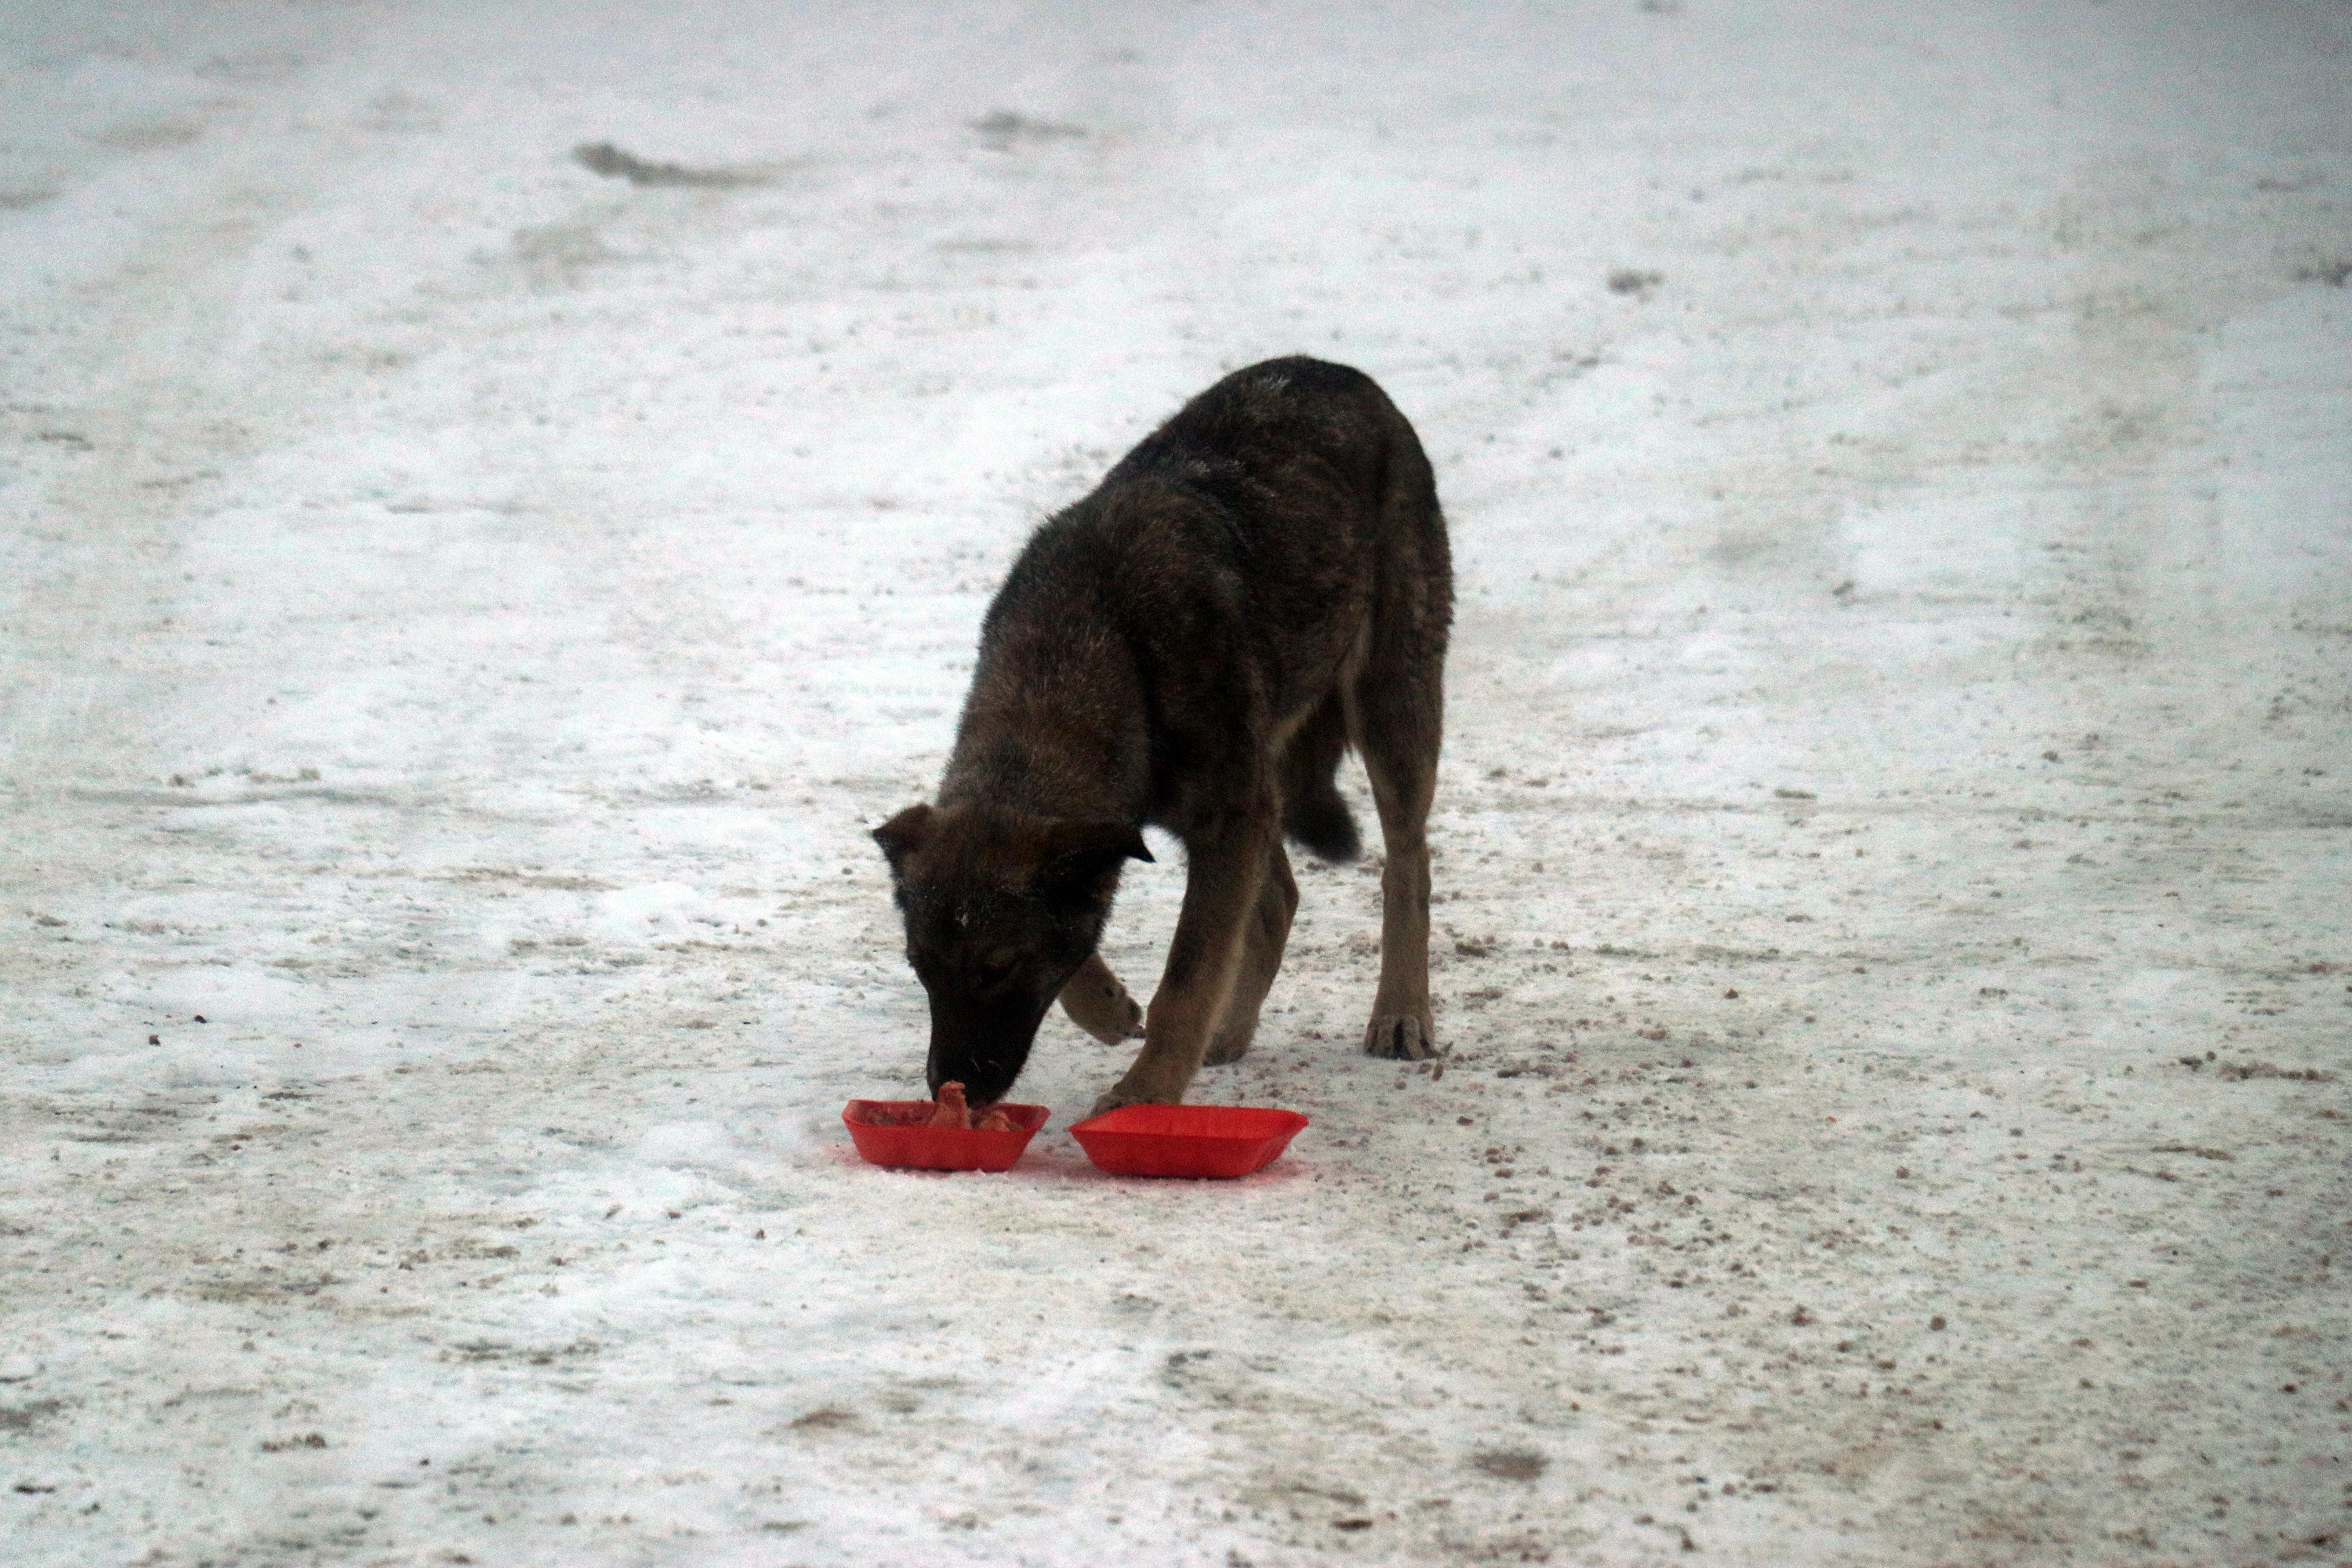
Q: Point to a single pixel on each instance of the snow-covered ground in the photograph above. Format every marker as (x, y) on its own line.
(463, 613)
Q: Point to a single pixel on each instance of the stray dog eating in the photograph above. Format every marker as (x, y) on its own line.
(1263, 583)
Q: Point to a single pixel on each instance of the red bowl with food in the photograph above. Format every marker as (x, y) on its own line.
(899, 1133)
(1187, 1140)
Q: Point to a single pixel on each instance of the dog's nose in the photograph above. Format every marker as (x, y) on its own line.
(985, 1076)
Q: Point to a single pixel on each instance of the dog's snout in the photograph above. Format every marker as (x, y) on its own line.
(981, 1051)
(984, 1081)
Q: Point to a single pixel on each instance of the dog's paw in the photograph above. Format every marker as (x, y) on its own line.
(1113, 1100)
(1113, 1021)
(1152, 1089)
(1227, 1045)
(1100, 1005)
(1401, 1037)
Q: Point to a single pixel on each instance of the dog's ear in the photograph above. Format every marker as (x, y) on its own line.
(905, 833)
(1078, 855)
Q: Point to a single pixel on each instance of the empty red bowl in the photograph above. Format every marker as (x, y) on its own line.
(1187, 1140)
(939, 1148)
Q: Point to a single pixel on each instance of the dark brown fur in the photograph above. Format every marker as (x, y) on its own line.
(1261, 584)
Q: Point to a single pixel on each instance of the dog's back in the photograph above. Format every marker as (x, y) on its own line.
(1207, 602)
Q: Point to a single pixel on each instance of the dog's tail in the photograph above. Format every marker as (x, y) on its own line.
(1312, 811)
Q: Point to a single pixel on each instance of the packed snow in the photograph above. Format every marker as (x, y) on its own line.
(499, 502)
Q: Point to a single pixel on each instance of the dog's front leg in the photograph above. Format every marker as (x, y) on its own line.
(1220, 888)
(1100, 1005)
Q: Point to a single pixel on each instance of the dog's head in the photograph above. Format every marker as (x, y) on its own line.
(1001, 907)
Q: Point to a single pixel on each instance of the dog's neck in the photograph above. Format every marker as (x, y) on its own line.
(1066, 739)
(1028, 766)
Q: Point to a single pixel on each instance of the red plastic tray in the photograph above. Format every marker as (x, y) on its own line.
(940, 1148)
(1187, 1140)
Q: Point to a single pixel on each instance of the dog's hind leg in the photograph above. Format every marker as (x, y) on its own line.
(1100, 1005)
(1396, 718)
(1262, 943)
(1404, 783)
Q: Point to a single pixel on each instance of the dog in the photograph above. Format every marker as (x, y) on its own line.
(1264, 583)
